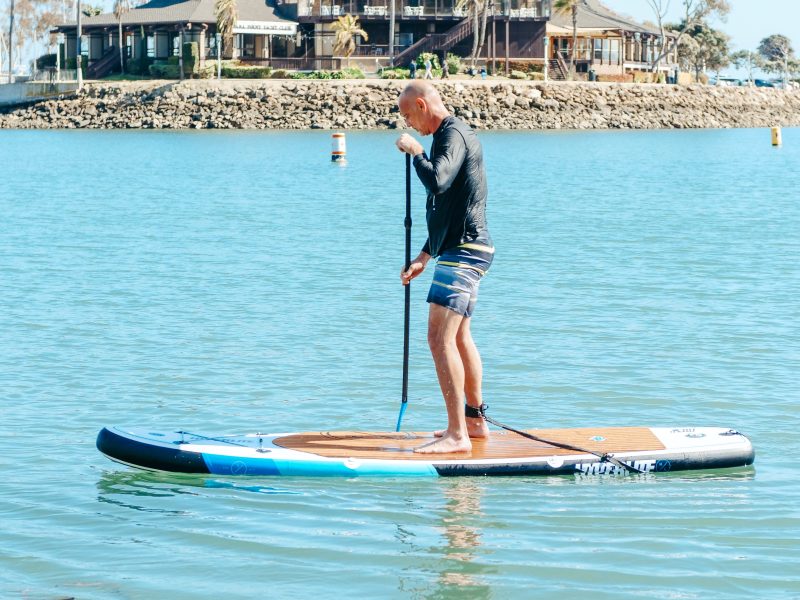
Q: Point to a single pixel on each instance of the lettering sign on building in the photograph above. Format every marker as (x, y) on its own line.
(266, 27)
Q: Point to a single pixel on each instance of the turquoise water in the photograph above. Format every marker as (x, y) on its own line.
(237, 281)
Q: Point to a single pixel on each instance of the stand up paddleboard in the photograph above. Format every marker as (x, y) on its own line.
(608, 450)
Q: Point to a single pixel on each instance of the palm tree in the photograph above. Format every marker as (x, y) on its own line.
(391, 30)
(227, 13)
(473, 9)
(347, 28)
(571, 6)
(120, 8)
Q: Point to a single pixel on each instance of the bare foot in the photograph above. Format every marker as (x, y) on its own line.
(445, 445)
(476, 428)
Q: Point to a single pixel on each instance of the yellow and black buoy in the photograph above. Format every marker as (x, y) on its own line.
(338, 148)
(776, 136)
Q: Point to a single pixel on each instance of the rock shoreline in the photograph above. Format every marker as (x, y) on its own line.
(371, 104)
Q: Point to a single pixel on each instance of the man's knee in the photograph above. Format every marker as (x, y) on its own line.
(438, 340)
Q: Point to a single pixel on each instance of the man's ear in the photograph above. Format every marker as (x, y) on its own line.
(421, 104)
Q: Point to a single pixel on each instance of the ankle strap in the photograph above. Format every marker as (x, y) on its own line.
(473, 412)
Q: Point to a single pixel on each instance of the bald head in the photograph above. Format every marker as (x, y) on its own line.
(422, 106)
(421, 89)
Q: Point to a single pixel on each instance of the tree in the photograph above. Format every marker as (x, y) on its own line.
(572, 7)
(695, 12)
(660, 9)
(120, 8)
(392, 18)
(777, 52)
(347, 28)
(32, 22)
(474, 8)
(227, 13)
(704, 48)
(747, 60)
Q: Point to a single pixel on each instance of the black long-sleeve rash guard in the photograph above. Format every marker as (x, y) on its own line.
(455, 179)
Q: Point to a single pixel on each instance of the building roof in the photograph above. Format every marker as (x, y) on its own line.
(594, 15)
(182, 11)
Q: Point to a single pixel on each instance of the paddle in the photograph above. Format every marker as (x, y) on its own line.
(408, 293)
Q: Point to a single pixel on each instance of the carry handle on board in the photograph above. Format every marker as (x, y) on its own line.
(406, 318)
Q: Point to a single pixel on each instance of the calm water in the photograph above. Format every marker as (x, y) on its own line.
(237, 281)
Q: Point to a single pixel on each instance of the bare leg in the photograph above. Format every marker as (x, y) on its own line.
(473, 376)
(443, 326)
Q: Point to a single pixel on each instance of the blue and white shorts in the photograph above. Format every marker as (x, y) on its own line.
(458, 275)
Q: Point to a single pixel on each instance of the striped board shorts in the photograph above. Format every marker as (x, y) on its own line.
(458, 275)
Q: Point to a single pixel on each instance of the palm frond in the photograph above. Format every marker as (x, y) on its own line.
(347, 28)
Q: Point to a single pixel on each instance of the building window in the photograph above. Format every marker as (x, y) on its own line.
(248, 45)
(584, 51)
(151, 46)
(598, 50)
(613, 55)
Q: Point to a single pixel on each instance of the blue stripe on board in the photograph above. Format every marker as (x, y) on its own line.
(236, 465)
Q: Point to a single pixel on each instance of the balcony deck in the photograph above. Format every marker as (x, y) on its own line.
(422, 10)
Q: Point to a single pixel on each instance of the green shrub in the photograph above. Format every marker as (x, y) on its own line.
(352, 73)
(46, 60)
(396, 73)
(434, 61)
(207, 72)
(239, 72)
(174, 60)
(536, 76)
(315, 75)
(518, 75)
(162, 71)
(453, 62)
(71, 63)
(191, 62)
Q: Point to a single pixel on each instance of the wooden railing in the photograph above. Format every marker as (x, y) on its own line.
(411, 9)
(441, 42)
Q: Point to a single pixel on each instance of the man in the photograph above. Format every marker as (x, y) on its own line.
(455, 180)
(412, 69)
(428, 67)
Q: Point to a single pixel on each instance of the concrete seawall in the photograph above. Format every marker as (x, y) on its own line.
(370, 104)
(22, 93)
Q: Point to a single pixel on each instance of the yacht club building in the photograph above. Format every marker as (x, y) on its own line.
(298, 34)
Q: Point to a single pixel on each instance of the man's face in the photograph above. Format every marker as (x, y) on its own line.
(414, 111)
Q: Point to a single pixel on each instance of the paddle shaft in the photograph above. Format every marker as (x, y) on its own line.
(407, 311)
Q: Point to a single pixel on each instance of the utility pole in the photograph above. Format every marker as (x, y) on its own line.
(218, 38)
(391, 31)
(78, 35)
(11, 45)
(180, 51)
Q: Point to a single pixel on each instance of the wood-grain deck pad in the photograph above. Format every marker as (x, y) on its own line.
(500, 444)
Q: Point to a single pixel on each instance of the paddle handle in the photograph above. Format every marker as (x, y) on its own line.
(407, 310)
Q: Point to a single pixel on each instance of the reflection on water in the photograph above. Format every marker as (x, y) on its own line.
(113, 486)
(461, 573)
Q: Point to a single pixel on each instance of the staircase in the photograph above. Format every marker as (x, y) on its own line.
(554, 70)
(435, 42)
(104, 65)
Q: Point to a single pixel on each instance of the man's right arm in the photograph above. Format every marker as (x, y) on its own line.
(437, 175)
(416, 267)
